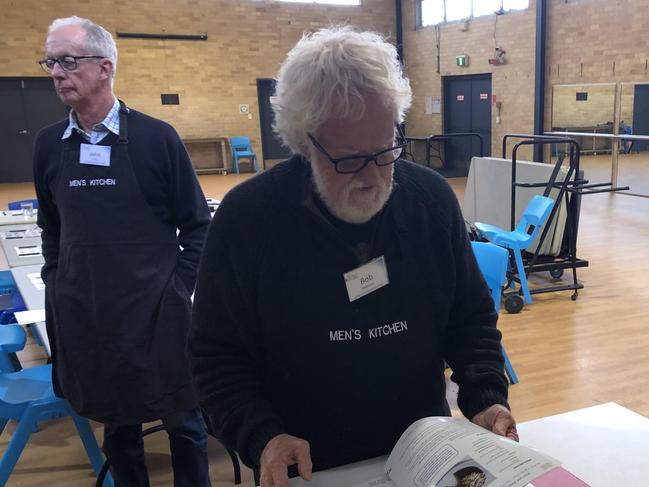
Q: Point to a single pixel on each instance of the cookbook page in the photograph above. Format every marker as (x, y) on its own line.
(452, 452)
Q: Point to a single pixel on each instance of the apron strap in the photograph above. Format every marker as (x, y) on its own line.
(123, 123)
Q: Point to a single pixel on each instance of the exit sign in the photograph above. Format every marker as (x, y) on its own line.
(462, 61)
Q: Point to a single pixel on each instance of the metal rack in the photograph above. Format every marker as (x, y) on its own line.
(571, 191)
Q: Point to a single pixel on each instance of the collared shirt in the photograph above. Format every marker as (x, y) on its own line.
(100, 130)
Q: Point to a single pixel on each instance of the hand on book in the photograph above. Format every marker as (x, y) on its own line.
(280, 453)
(499, 420)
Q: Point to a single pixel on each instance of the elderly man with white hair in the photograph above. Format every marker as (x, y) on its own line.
(334, 287)
(114, 187)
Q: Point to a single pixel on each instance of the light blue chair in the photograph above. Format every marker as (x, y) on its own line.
(534, 217)
(493, 262)
(27, 397)
(241, 149)
(15, 205)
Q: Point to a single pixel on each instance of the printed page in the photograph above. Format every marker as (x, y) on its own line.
(452, 452)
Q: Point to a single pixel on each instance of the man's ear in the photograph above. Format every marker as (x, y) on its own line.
(106, 66)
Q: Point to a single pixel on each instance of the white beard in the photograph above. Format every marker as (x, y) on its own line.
(351, 204)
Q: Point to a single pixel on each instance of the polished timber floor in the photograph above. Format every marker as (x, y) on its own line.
(568, 354)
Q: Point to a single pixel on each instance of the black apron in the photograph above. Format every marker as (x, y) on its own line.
(119, 312)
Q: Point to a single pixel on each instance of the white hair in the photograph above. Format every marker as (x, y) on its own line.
(327, 74)
(98, 40)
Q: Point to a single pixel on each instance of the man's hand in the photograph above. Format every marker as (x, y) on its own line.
(498, 419)
(280, 453)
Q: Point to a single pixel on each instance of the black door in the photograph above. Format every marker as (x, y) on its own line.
(641, 115)
(467, 109)
(271, 146)
(29, 104)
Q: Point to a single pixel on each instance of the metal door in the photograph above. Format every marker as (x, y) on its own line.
(271, 146)
(28, 105)
(467, 108)
(641, 116)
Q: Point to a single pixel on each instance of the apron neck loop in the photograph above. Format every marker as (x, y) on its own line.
(123, 123)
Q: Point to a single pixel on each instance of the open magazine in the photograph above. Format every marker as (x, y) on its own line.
(452, 452)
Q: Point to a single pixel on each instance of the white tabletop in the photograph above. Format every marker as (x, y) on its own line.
(604, 445)
(25, 276)
(33, 296)
(14, 217)
(10, 246)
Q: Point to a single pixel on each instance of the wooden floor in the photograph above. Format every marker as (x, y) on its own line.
(568, 354)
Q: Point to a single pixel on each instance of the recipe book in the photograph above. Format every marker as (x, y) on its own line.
(453, 452)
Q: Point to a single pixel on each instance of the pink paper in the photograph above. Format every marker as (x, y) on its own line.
(558, 477)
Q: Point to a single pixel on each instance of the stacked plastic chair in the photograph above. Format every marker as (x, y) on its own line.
(28, 398)
(241, 149)
(493, 262)
(534, 217)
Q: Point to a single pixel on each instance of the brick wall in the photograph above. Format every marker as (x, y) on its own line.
(247, 39)
(598, 41)
(512, 83)
(597, 109)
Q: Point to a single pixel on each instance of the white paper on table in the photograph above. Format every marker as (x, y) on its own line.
(29, 251)
(29, 317)
(36, 280)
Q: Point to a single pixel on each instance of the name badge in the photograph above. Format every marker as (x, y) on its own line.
(95, 155)
(366, 279)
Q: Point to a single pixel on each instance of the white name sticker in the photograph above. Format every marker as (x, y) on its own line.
(95, 155)
(366, 279)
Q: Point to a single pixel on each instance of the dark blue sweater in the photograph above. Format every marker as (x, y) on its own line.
(277, 347)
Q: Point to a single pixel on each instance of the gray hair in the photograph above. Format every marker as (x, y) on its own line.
(98, 40)
(327, 74)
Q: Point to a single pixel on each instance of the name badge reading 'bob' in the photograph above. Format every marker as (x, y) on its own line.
(94, 155)
(366, 279)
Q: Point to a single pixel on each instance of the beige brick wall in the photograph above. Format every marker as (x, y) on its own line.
(598, 41)
(597, 109)
(512, 83)
(247, 39)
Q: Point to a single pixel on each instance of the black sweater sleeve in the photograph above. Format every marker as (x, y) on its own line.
(225, 341)
(48, 215)
(188, 210)
(473, 346)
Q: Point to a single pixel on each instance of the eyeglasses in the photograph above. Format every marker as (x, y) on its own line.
(356, 163)
(67, 63)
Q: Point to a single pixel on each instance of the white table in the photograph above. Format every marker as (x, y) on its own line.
(10, 246)
(604, 445)
(33, 297)
(14, 217)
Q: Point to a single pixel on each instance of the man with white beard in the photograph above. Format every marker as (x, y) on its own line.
(334, 287)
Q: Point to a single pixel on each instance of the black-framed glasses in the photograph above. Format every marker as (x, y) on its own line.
(67, 63)
(356, 163)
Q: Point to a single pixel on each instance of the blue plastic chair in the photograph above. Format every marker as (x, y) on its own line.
(493, 262)
(15, 205)
(28, 398)
(534, 217)
(241, 149)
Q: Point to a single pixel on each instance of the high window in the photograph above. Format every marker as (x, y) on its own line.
(431, 12)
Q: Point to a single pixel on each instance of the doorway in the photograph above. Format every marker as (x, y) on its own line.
(467, 108)
(29, 104)
(271, 147)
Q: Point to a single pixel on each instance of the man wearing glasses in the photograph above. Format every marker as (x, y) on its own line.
(334, 287)
(114, 188)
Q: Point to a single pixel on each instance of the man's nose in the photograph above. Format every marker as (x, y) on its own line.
(58, 71)
(370, 171)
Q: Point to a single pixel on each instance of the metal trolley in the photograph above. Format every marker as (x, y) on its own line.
(571, 190)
